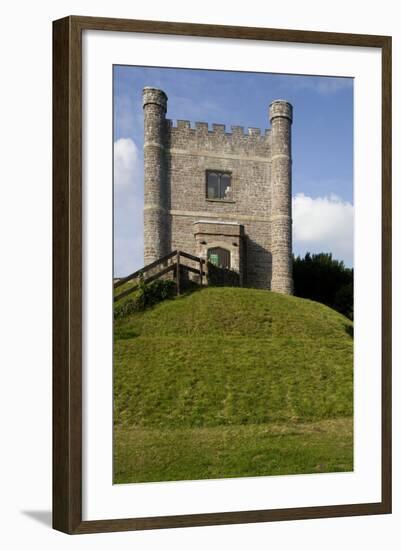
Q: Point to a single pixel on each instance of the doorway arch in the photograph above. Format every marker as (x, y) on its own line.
(219, 256)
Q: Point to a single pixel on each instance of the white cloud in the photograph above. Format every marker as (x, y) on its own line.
(126, 161)
(128, 207)
(323, 224)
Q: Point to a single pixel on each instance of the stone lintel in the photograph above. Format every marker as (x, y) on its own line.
(218, 228)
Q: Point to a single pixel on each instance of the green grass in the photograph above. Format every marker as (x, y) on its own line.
(143, 454)
(232, 382)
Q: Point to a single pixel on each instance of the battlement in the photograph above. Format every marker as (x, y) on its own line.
(215, 128)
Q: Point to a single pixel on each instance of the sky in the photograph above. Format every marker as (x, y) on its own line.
(322, 147)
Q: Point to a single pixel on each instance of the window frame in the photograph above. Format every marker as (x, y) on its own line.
(219, 173)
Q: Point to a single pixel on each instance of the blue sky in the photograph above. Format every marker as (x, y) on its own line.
(322, 147)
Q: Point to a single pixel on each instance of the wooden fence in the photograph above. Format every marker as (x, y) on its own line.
(174, 261)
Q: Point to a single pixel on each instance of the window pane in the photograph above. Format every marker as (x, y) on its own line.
(225, 186)
(212, 186)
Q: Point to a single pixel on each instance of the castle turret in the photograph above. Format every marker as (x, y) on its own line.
(155, 213)
(281, 219)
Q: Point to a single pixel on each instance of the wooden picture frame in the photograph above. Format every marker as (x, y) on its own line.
(67, 274)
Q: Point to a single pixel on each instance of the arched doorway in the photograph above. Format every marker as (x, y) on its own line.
(220, 257)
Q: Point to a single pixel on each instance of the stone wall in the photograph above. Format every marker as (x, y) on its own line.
(192, 151)
(175, 192)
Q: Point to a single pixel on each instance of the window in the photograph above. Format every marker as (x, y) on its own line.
(218, 185)
(220, 257)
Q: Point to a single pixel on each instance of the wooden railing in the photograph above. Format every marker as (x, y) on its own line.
(175, 264)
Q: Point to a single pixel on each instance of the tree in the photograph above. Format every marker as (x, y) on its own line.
(321, 278)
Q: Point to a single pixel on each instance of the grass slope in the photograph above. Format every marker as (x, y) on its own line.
(232, 382)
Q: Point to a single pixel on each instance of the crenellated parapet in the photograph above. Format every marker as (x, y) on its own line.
(181, 134)
(215, 128)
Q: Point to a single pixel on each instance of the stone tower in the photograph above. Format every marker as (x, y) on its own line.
(281, 219)
(155, 192)
(219, 195)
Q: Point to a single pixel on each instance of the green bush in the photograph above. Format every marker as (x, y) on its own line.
(321, 278)
(155, 292)
(344, 300)
(146, 296)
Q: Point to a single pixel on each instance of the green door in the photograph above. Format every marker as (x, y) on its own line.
(220, 257)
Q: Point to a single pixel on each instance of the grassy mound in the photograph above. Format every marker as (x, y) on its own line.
(220, 361)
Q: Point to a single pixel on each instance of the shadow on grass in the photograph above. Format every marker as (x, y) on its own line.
(125, 334)
(349, 329)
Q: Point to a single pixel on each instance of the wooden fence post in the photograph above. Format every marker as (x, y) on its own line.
(177, 275)
(206, 273)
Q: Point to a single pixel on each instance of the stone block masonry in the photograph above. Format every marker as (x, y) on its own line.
(280, 214)
(253, 220)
